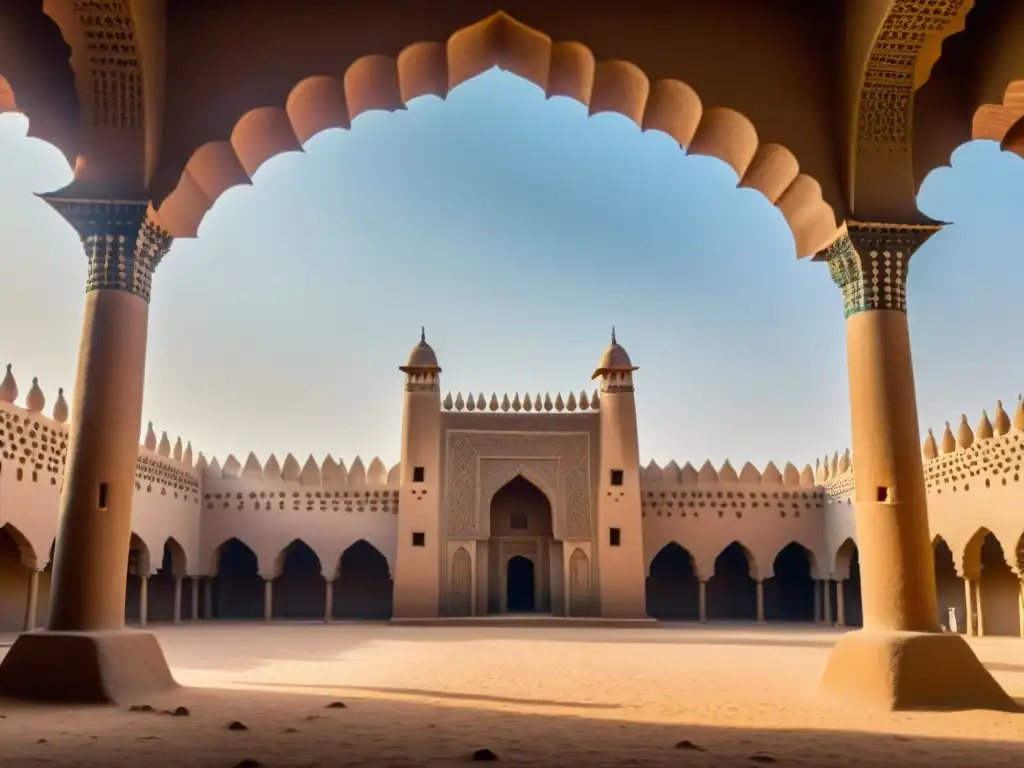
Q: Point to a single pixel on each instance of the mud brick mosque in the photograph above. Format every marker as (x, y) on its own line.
(519, 505)
(832, 112)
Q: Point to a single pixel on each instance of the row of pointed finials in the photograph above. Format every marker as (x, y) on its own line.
(966, 437)
(163, 447)
(35, 400)
(528, 404)
(672, 474)
(329, 472)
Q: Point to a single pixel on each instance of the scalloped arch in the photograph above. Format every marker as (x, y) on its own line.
(560, 68)
(1003, 122)
(29, 558)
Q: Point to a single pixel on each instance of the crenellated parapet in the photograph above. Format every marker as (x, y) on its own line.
(526, 404)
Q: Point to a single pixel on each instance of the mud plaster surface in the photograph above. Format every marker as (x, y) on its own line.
(534, 696)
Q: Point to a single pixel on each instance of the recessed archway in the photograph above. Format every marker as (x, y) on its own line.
(789, 595)
(139, 567)
(15, 552)
(521, 527)
(364, 588)
(568, 69)
(732, 591)
(300, 590)
(999, 587)
(949, 587)
(237, 586)
(673, 588)
(173, 566)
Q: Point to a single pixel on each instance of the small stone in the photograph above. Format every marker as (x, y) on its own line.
(311, 717)
(289, 729)
(140, 708)
(336, 705)
(761, 757)
(234, 725)
(41, 741)
(484, 756)
(181, 712)
(687, 744)
(247, 763)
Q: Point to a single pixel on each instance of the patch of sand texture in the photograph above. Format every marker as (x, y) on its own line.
(559, 696)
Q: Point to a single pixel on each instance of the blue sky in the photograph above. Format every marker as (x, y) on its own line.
(518, 231)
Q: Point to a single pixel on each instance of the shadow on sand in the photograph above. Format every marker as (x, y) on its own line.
(294, 729)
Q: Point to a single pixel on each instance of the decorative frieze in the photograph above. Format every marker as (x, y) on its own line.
(123, 246)
(869, 263)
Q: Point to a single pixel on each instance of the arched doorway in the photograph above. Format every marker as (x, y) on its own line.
(949, 588)
(846, 579)
(789, 594)
(14, 578)
(1000, 591)
(851, 592)
(161, 584)
(139, 567)
(363, 589)
(300, 591)
(673, 589)
(731, 591)
(520, 548)
(238, 586)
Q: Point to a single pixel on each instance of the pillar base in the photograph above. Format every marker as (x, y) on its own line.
(112, 667)
(894, 671)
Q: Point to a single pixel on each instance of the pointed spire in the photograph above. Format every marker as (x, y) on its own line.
(291, 471)
(150, 441)
(357, 474)
(176, 452)
(527, 402)
(423, 334)
(186, 457)
(790, 476)
(252, 470)
(984, 430)
(272, 469)
(537, 403)
(930, 450)
(613, 335)
(8, 387)
(232, 467)
(1018, 415)
(807, 476)
(35, 401)
(505, 404)
(964, 433)
(481, 404)
(516, 404)
(459, 402)
(547, 404)
(164, 448)
(493, 404)
(1002, 421)
(844, 462)
(60, 408)
(470, 402)
(377, 473)
(310, 474)
(570, 402)
(595, 401)
(948, 442)
(447, 404)
(584, 400)
(771, 474)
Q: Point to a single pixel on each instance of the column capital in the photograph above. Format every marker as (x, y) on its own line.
(121, 240)
(869, 263)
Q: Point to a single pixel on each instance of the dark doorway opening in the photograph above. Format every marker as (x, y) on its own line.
(732, 593)
(238, 587)
(673, 590)
(789, 594)
(299, 590)
(364, 588)
(520, 585)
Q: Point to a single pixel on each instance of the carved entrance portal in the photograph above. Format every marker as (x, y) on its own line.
(519, 550)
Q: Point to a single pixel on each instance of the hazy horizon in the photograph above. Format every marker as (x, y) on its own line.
(518, 231)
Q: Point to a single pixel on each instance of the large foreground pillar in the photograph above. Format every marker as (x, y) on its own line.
(85, 653)
(900, 660)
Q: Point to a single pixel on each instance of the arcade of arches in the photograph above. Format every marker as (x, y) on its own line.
(524, 576)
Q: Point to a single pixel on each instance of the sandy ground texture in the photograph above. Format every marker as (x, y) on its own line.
(565, 696)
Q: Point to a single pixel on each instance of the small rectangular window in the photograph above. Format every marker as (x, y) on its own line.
(617, 477)
(418, 474)
(419, 539)
(614, 536)
(104, 492)
(883, 493)
(518, 523)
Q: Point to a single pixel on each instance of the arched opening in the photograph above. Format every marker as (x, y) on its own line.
(1000, 591)
(520, 585)
(161, 584)
(673, 589)
(139, 567)
(238, 586)
(731, 591)
(15, 550)
(300, 591)
(521, 530)
(789, 594)
(949, 588)
(363, 589)
(852, 605)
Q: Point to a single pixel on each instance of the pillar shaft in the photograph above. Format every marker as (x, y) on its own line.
(268, 599)
(1020, 606)
(91, 555)
(897, 568)
(194, 614)
(760, 601)
(840, 604)
(827, 607)
(32, 600)
(329, 601)
(703, 602)
(177, 599)
(969, 602)
(143, 599)
(817, 600)
(978, 607)
(208, 597)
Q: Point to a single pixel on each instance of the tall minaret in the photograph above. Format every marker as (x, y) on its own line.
(417, 578)
(619, 533)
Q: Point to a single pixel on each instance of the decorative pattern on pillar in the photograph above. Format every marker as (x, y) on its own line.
(869, 263)
(123, 246)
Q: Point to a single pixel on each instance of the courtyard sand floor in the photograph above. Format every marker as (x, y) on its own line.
(534, 696)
